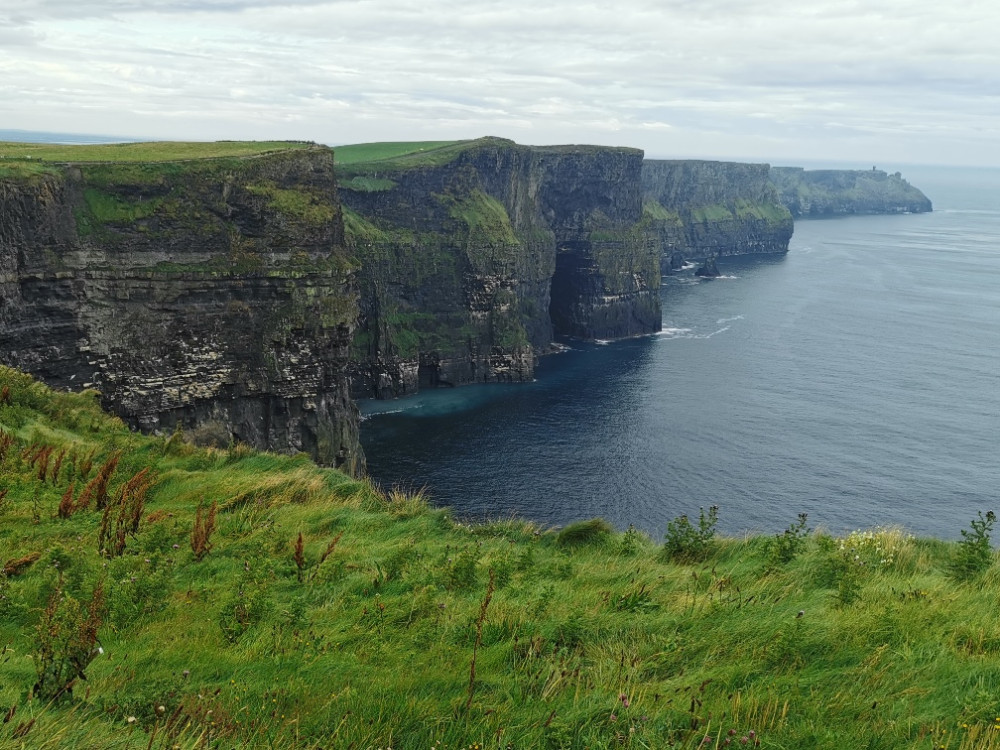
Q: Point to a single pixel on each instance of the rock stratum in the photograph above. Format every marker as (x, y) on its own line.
(712, 208)
(838, 192)
(251, 292)
(212, 294)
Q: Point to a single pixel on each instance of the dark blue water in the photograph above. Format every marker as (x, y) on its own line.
(856, 379)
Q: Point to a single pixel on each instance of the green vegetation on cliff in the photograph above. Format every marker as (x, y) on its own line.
(229, 598)
(155, 151)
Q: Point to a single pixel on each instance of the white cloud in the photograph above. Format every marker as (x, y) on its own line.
(910, 81)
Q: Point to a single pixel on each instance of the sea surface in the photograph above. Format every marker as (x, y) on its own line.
(856, 379)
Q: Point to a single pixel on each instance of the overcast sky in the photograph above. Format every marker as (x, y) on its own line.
(873, 82)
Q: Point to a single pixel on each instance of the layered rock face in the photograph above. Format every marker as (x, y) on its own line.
(475, 256)
(709, 208)
(837, 192)
(215, 295)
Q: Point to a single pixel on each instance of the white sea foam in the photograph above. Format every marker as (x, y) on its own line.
(720, 321)
(674, 333)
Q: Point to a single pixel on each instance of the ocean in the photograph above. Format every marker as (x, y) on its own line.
(855, 379)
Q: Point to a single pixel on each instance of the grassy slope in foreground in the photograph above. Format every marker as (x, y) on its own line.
(365, 635)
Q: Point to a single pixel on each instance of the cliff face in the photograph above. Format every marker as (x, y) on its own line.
(836, 192)
(710, 208)
(213, 294)
(474, 256)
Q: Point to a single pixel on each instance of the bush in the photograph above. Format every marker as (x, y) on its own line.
(686, 542)
(975, 554)
(785, 547)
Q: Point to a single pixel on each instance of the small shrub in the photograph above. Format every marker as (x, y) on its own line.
(245, 608)
(975, 554)
(67, 642)
(788, 545)
(686, 542)
(461, 572)
(631, 541)
(595, 531)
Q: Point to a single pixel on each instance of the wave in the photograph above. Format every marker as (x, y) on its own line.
(674, 333)
(687, 333)
(720, 321)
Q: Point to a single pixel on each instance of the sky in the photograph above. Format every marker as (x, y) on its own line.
(875, 82)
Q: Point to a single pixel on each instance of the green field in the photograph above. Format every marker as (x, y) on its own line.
(236, 599)
(143, 152)
(371, 152)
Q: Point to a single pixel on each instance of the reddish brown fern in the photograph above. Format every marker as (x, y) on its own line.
(86, 464)
(100, 482)
(66, 508)
(57, 466)
(201, 533)
(6, 441)
(121, 518)
(42, 462)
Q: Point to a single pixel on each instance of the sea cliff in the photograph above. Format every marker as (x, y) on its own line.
(836, 192)
(709, 208)
(250, 292)
(212, 294)
(474, 255)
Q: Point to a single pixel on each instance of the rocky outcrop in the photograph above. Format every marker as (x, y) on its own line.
(213, 295)
(473, 256)
(711, 208)
(837, 192)
(708, 269)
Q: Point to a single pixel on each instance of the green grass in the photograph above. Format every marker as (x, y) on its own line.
(587, 638)
(144, 152)
(371, 152)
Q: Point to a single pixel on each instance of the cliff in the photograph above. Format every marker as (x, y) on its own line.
(212, 294)
(710, 208)
(475, 254)
(836, 192)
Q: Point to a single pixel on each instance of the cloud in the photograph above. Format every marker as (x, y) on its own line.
(752, 74)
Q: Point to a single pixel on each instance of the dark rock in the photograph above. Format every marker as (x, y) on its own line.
(676, 262)
(708, 269)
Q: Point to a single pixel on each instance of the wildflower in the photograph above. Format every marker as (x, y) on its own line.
(614, 718)
(131, 720)
(624, 699)
(744, 740)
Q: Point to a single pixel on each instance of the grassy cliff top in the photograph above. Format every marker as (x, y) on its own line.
(417, 151)
(158, 151)
(394, 156)
(228, 598)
